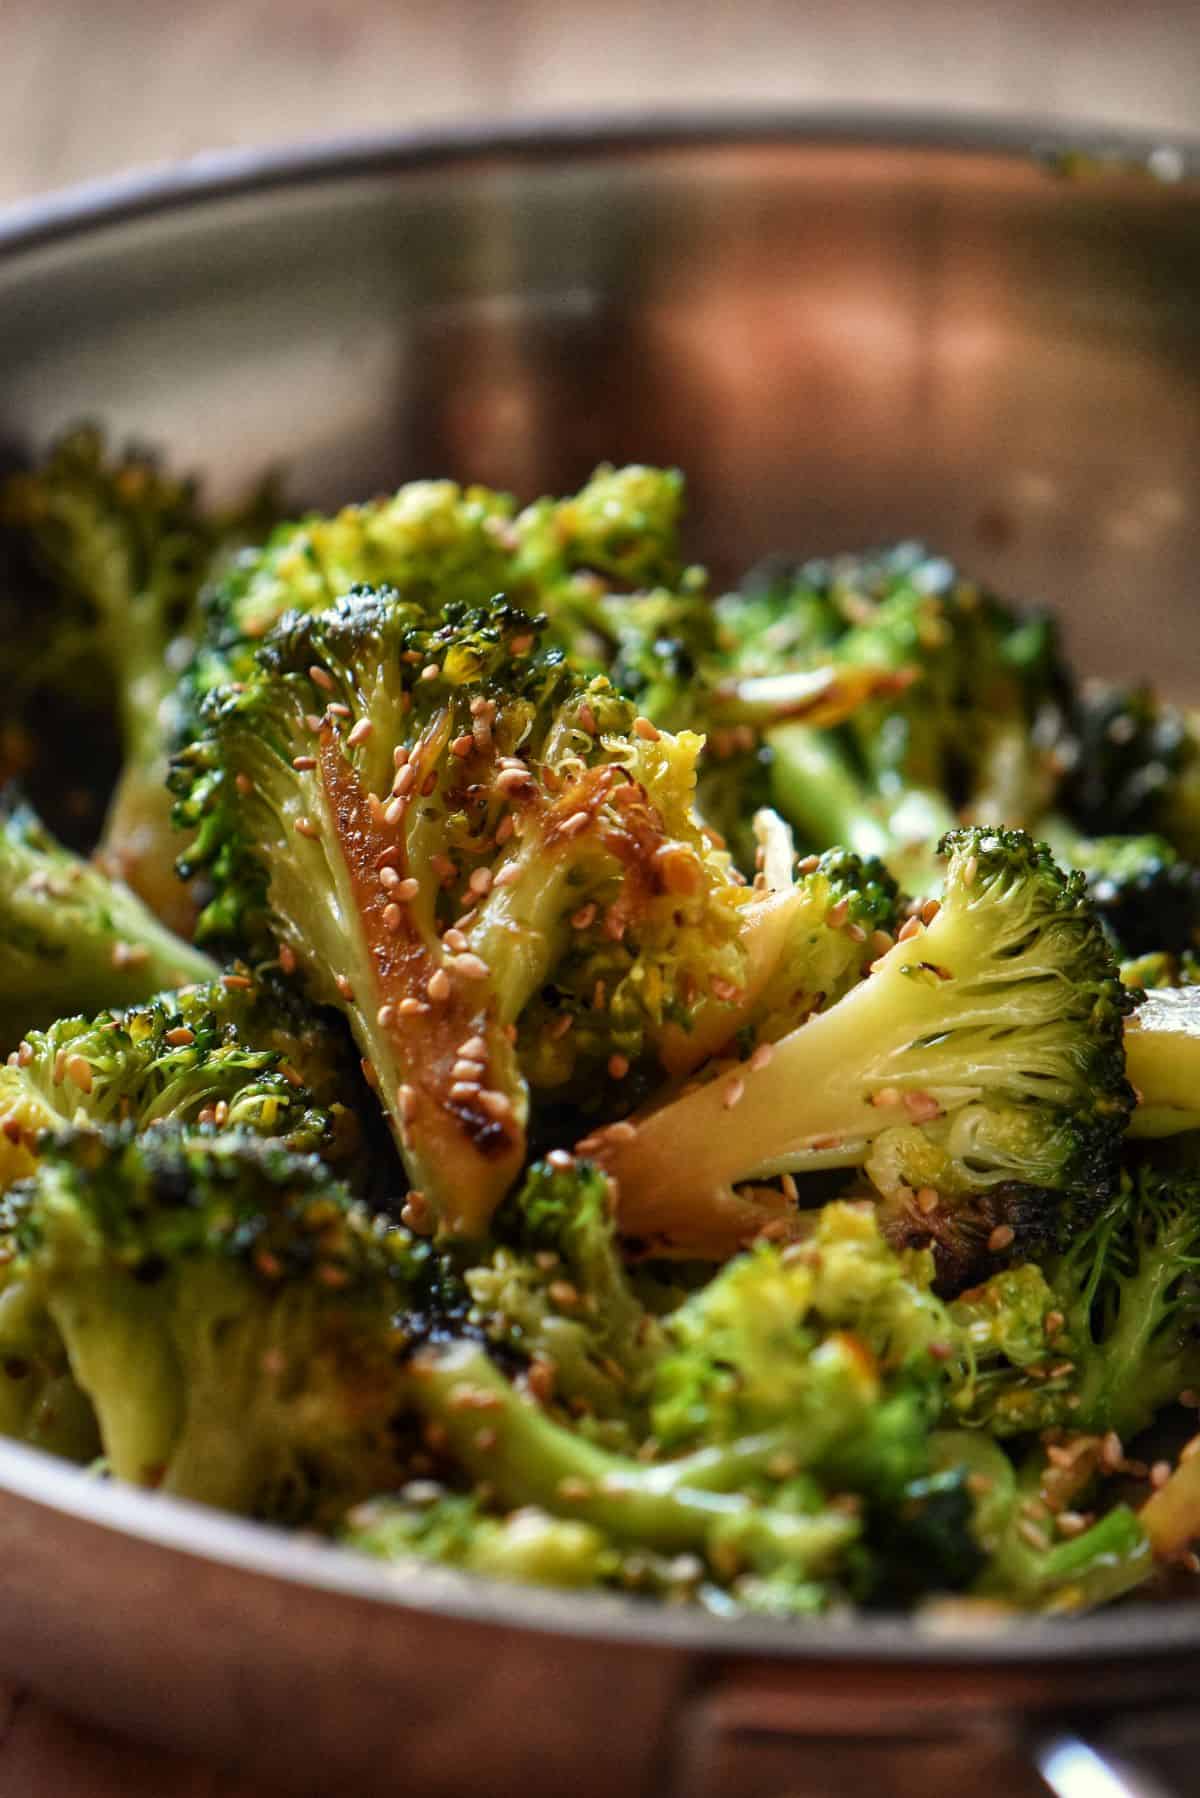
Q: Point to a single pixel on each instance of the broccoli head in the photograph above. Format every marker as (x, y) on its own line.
(1136, 767)
(981, 1058)
(225, 1055)
(72, 936)
(487, 863)
(1146, 894)
(228, 1310)
(425, 1522)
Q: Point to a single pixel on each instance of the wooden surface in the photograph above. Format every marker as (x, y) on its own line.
(96, 86)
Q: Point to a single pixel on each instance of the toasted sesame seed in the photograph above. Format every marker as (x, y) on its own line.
(462, 746)
(416, 1213)
(790, 1190)
(343, 986)
(471, 967)
(510, 872)
(464, 1089)
(497, 1105)
(385, 1017)
(1160, 1473)
(79, 1069)
(761, 1057)
(837, 914)
(624, 1130)
(302, 763)
(388, 878)
(179, 1037)
(406, 1103)
(585, 916)
(887, 1096)
(571, 827)
(1054, 1322)
(539, 1376)
(314, 722)
(394, 812)
(587, 719)
(236, 983)
(618, 1066)
(361, 732)
(473, 1049)
(1070, 1523)
(412, 1008)
(221, 1113)
(243, 783)
(480, 882)
(306, 828)
(1036, 1538)
(970, 870)
(930, 910)
(320, 677)
(504, 831)
(559, 1028)
(922, 1108)
(430, 671)
(408, 889)
(1112, 1452)
(1002, 1237)
(733, 1094)
(646, 730)
(467, 1070)
(927, 1200)
(287, 958)
(393, 917)
(511, 780)
(563, 1294)
(909, 930)
(438, 987)
(856, 933)
(454, 939)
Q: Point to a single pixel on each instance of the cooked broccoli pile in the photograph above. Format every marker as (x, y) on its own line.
(558, 1073)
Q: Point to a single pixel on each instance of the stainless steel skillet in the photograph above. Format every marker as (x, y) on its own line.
(844, 329)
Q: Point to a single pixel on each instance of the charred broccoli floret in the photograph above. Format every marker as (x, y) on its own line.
(482, 860)
(225, 1055)
(1147, 895)
(71, 936)
(1136, 767)
(974, 730)
(128, 547)
(981, 1062)
(229, 1311)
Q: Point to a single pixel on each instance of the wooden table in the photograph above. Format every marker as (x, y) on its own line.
(91, 86)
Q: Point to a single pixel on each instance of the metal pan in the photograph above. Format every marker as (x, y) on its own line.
(844, 330)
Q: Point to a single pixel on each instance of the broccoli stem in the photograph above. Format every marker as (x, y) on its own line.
(674, 1506)
(1162, 1060)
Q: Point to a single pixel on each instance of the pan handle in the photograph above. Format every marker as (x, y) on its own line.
(1074, 1768)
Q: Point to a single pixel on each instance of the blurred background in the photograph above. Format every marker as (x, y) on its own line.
(87, 89)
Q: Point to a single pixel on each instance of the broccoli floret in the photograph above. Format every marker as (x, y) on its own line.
(973, 731)
(1103, 1334)
(554, 1291)
(1146, 894)
(71, 936)
(129, 548)
(427, 1523)
(223, 1055)
(229, 1311)
(40, 1402)
(472, 853)
(1136, 767)
(983, 1056)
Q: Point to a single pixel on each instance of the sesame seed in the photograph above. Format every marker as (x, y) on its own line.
(1070, 1523)
(1035, 1537)
(571, 827)
(385, 1017)
(856, 933)
(406, 1103)
(462, 746)
(306, 828)
(581, 919)
(408, 889)
(480, 882)
(454, 939)
(587, 719)
(761, 1057)
(887, 1096)
(474, 1049)
(734, 1091)
(881, 942)
(497, 1105)
(930, 910)
(1001, 1237)
(909, 930)
(438, 987)
(509, 873)
(287, 958)
(79, 1069)
(361, 732)
(927, 1200)
(809, 865)
(180, 1037)
(321, 678)
(393, 917)
(243, 783)
(1112, 1452)
(412, 1008)
(406, 778)
(221, 1113)
(790, 1190)
(539, 1376)
(511, 780)
(836, 916)
(618, 1066)
(236, 983)
(394, 812)
(343, 986)
(302, 763)
(563, 1294)
(646, 730)
(1054, 1322)
(970, 870)
(313, 721)
(467, 1070)
(430, 671)
(1160, 1473)
(388, 878)
(922, 1108)
(471, 967)
(504, 831)
(464, 1089)
(416, 1213)
(559, 1028)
